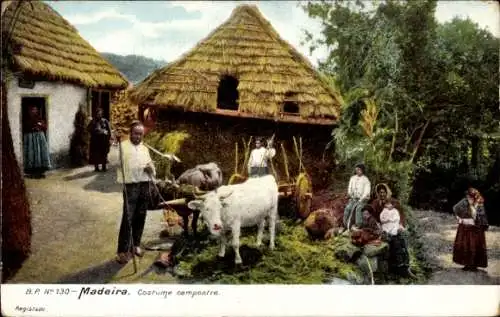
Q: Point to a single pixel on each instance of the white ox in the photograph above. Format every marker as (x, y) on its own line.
(232, 207)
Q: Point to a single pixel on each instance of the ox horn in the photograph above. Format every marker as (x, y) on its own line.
(224, 196)
(198, 193)
(174, 202)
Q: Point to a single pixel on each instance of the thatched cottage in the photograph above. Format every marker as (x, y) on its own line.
(55, 69)
(242, 79)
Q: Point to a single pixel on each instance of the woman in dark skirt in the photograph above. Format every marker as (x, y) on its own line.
(100, 134)
(469, 249)
(36, 149)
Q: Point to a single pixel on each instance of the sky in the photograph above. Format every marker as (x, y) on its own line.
(167, 29)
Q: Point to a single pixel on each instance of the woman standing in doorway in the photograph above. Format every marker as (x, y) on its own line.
(100, 134)
(36, 149)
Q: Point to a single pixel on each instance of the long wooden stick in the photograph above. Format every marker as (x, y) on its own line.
(126, 207)
(236, 157)
(296, 148)
(285, 161)
(301, 166)
(247, 155)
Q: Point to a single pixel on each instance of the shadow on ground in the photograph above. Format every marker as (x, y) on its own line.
(104, 182)
(99, 274)
(84, 174)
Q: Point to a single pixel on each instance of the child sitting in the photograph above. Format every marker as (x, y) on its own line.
(399, 258)
(390, 219)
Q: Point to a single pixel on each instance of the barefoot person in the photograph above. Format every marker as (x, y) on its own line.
(469, 249)
(137, 168)
(359, 193)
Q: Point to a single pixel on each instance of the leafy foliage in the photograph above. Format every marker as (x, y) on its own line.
(166, 142)
(434, 86)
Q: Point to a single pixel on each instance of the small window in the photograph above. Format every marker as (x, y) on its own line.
(227, 93)
(25, 83)
(291, 105)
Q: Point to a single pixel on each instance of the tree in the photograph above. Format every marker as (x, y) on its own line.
(16, 217)
(434, 85)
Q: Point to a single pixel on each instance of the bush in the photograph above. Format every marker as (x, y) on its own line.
(80, 139)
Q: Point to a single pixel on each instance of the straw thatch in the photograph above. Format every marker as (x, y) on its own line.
(247, 47)
(123, 112)
(46, 46)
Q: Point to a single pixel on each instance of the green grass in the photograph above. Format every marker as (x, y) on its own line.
(295, 260)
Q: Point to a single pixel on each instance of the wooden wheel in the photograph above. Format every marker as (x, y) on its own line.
(236, 179)
(303, 195)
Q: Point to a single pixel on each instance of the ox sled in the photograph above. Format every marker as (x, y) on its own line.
(227, 211)
(198, 191)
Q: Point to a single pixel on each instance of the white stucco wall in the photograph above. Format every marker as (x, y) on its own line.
(62, 103)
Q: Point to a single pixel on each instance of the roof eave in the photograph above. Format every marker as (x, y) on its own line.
(282, 117)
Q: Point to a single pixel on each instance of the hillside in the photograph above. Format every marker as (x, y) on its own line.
(134, 67)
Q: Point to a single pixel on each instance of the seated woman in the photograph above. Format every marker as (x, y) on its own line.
(398, 247)
(384, 195)
(470, 242)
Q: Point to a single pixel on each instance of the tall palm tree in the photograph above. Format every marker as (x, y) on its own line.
(16, 216)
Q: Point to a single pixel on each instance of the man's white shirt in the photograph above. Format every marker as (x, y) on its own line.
(359, 187)
(135, 159)
(259, 157)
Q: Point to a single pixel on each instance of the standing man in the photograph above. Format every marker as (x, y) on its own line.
(359, 193)
(138, 168)
(259, 157)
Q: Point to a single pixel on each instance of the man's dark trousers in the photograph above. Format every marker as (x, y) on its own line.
(136, 200)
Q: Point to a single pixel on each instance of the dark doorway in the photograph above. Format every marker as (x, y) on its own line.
(227, 93)
(101, 99)
(291, 105)
(26, 103)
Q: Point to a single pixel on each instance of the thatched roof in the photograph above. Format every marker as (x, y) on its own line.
(247, 47)
(46, 46)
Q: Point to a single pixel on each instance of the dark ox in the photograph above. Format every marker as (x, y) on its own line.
(206, 177)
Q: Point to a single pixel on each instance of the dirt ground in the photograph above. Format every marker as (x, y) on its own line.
(76, 215)
(438, 234)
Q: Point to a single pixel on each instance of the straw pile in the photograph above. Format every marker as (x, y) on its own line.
(47, 46)
(123, 112)
(296, 260)
(268, 69)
